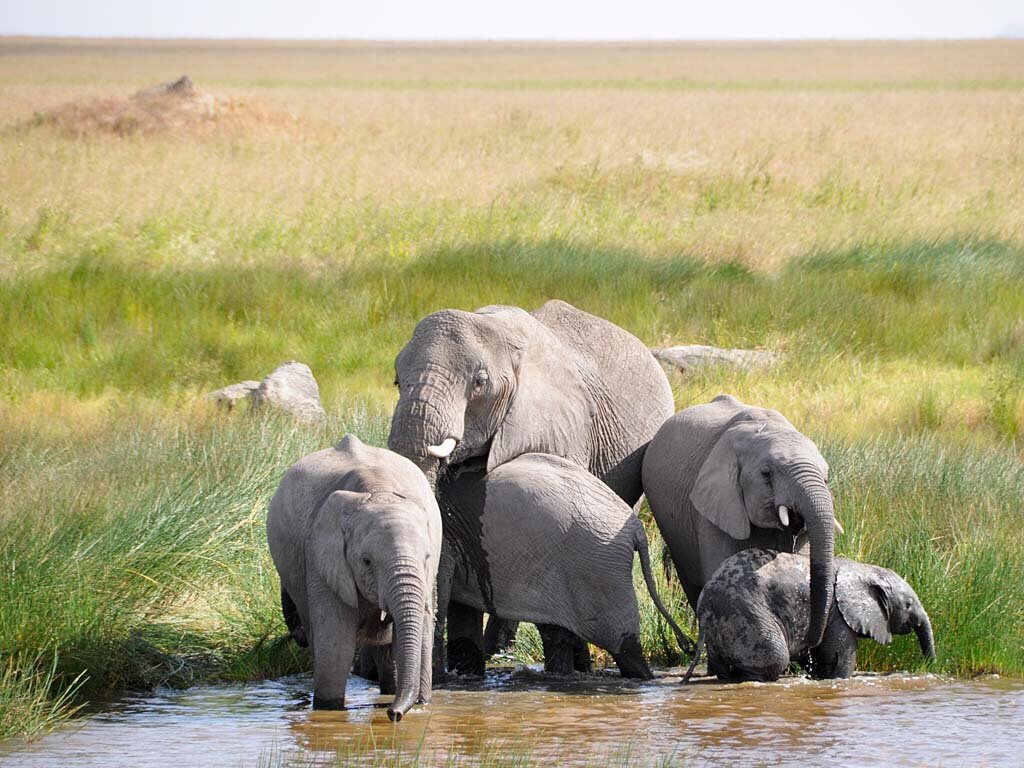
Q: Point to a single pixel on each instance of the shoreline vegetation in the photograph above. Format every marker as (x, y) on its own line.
(867, 231)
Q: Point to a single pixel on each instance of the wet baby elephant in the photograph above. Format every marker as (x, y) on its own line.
(540, 539)
(754, 612)
(355, 533)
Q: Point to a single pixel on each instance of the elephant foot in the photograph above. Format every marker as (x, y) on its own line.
(465, 657)
(320, 702)
(631, 662)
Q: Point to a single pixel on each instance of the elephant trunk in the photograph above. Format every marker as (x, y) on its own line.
(925, 637)
(419, 421)
(814, 501)
(406, 602)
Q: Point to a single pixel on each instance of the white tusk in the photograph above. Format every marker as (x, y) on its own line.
(383, 616)
(443, 451)
(838, 527)
(784, 515)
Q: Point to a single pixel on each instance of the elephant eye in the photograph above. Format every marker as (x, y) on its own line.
(481, 379)
(366, 562)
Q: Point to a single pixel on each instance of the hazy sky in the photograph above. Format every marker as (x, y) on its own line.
(516, 19)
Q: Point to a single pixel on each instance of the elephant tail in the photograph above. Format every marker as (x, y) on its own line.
(696, 656)
(640, 543)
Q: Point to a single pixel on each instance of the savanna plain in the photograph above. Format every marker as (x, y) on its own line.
(857, 208)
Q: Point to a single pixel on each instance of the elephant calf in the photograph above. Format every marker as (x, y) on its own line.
(355, 533)
(754, 612)
(540, 539)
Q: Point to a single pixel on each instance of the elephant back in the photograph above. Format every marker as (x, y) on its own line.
(631, 392)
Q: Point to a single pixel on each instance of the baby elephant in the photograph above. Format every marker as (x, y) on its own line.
(355, 534)
(540, 539)
(753, 615)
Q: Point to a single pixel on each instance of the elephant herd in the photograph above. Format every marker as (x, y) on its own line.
(520, 446)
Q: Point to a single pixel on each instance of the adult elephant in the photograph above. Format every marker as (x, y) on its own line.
(724, 477)
(501, 382)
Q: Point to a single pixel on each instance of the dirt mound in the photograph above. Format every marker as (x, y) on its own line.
(176, 105)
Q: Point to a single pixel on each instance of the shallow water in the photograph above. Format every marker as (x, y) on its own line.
(869, 720)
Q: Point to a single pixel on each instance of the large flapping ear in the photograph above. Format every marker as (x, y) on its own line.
(717, 493)
(551, 410)
(328, 542)
(863, 600)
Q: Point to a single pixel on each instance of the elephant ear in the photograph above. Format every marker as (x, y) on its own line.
(863, 600)
(718, 493)
(551, 411)
(328, 542)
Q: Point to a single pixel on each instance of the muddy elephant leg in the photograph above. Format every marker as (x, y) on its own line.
(581, 655)
(560, 649)
(465, 640)
(292, 620)
(631, 662)
(499, 635)
(443, 592)
(836, 656)
(384, 661)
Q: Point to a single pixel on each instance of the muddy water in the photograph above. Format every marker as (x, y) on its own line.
(870, 720)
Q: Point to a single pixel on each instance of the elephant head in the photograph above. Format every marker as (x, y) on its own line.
(390, 548)
(877, 603)
(497, 383)
(763, 473)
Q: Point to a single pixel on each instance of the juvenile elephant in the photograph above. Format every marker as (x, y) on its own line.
(355, 533)
(540, 539)
(753, 616)
(724, 477)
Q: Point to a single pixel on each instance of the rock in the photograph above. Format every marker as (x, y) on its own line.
(688, 357)
(229, 396)
(292, 389)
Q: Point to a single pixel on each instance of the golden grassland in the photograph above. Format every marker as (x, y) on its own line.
(856, 207)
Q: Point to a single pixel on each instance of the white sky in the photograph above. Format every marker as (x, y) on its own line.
(516, 19)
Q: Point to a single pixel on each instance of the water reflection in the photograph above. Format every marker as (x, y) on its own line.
(870, 720)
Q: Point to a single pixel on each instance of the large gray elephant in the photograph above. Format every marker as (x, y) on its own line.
(501, 382)
(724, 477)
(540, 539)
(355, 533)
(753, 616)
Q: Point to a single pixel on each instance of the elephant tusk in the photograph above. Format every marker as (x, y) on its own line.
(838, 527)
(383, 616)
(444, 450)
(784, 515)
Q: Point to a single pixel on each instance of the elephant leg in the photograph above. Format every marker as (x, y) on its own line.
(333, 625)
(384, 661)
(631, 662)
(581, 655)
(465, 640)
(292, 619)
(559, 649)
(836, 655)
(365, 665)
(443, 591)
(499, 635)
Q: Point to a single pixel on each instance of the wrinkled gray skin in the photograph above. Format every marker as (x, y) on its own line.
(754, 614)
(503, 382)
(354, 531)
(553, 546)
(715, 476)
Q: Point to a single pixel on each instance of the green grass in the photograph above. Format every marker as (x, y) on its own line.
(131, 516)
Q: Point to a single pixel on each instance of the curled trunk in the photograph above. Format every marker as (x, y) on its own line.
(925, 637)
(818, 511)
(405, 598)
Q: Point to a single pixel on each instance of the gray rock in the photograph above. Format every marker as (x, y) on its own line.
(229, 396)
(689, 357)
(292, 389)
